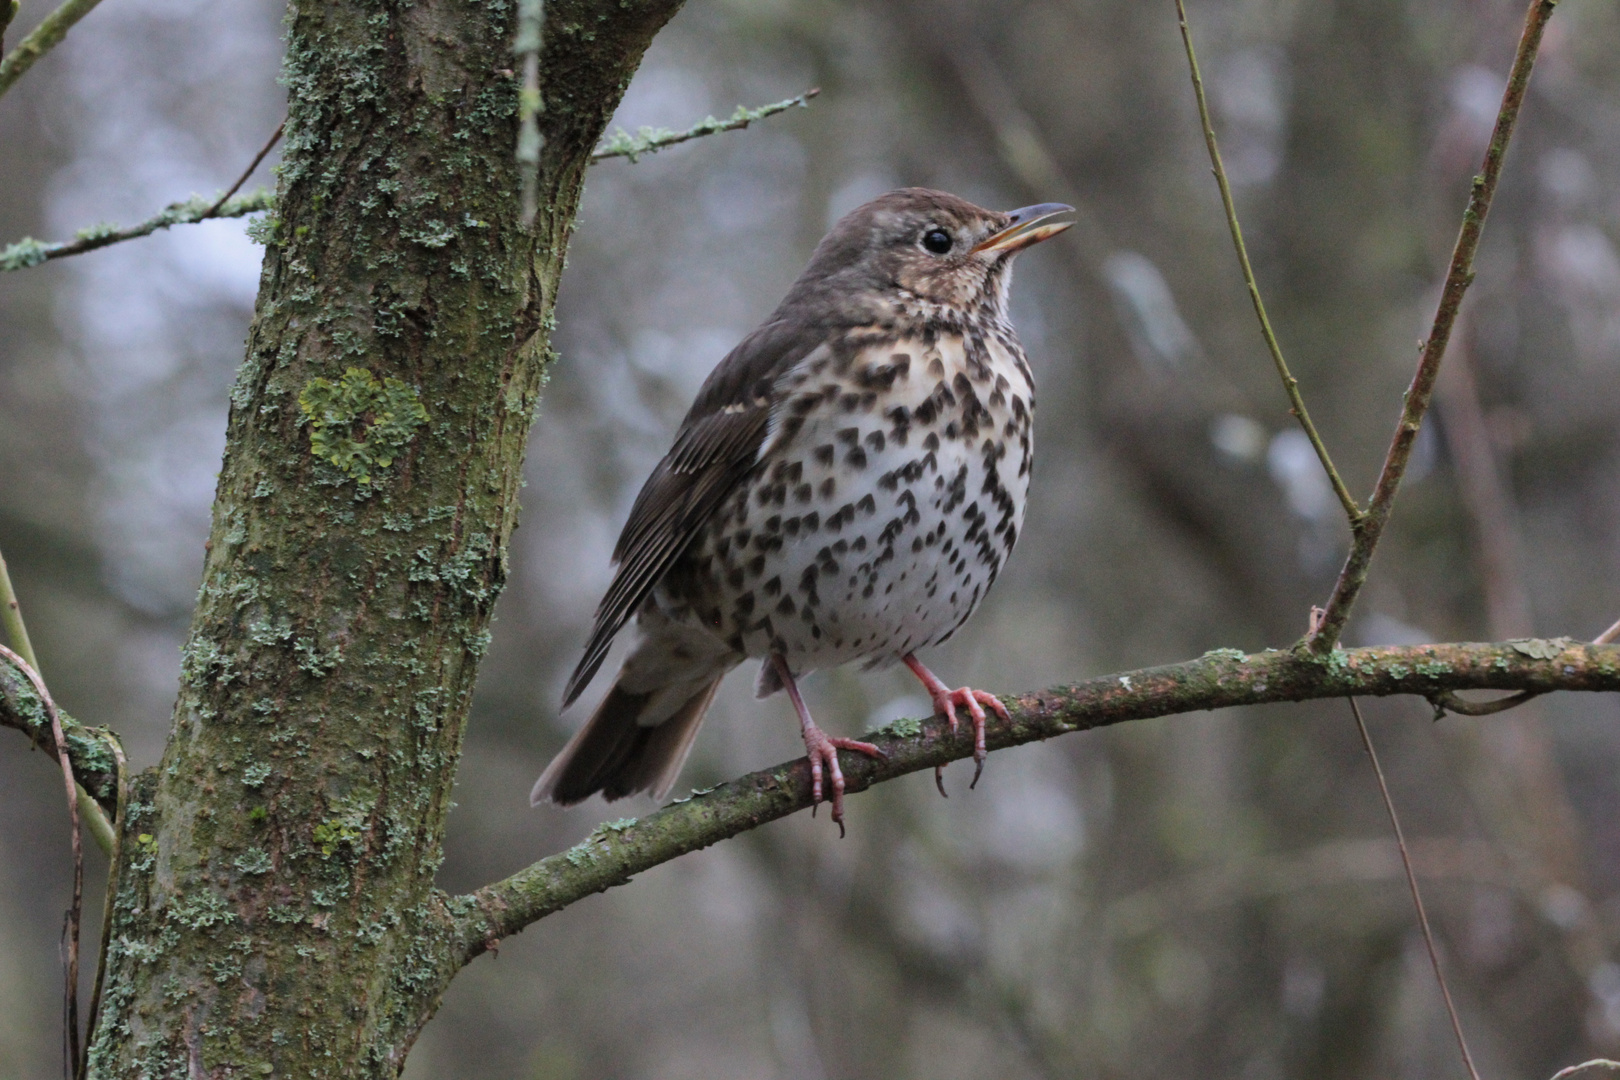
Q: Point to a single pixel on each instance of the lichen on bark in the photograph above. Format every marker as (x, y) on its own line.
(275, 908)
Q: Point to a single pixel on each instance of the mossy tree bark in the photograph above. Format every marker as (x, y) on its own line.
(275, 911)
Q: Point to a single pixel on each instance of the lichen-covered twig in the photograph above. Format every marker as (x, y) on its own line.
(650, 140)
(45, 37)
(30, 252)
(1296, 401)
(1458, 278)
(94, 765)
(1226, 677)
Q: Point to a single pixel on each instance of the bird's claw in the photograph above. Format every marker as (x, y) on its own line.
(822, 750)
(946, 703)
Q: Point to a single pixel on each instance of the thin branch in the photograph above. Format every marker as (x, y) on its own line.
(46, 36)
(1417, 896)
(1458, 278)
(30, 252)
(41, 729)
(70, 993)
(92, 750)
(1290, 384)
(264, 152)
(11, 618)
(1220, 679)
(1608, 636)
(651, 140)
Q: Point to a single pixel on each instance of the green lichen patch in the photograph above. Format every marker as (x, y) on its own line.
(357, 424)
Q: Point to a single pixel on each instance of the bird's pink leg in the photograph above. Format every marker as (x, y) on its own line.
(821, 748)
(945, 702)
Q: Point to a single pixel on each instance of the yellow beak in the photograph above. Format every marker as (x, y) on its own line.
(1025, 229)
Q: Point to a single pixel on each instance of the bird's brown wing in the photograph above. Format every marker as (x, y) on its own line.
(716, 447)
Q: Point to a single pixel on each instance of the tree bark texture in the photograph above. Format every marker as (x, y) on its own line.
(275, 912)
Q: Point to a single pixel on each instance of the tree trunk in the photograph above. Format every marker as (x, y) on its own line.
(275, 911)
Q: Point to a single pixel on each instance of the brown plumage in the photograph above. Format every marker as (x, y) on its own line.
(846, 486)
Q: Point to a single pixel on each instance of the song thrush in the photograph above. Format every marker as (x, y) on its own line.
(846, 486)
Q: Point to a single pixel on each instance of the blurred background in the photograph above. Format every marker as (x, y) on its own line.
(1208, 895)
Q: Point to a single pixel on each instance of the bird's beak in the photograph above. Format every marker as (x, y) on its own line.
(1025, 229)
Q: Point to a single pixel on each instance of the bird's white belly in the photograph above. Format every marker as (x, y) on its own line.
(887, 524)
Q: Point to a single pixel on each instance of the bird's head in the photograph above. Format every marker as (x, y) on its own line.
(921, 247)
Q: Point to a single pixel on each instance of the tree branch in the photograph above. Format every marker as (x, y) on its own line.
(651, 140)
(30, 252)
(94, 765)
(48, 737)
(1461, 274)
(1219, 679)
(46, 36)
(1290, 384)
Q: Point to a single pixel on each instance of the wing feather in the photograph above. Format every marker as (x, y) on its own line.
(717, 447)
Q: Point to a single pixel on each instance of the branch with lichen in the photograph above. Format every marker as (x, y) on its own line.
(1220, 679)
(45, 37)
(649, 140)
(94, 765)
(30, 252)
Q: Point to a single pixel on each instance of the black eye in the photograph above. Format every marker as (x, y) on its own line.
(937, 240)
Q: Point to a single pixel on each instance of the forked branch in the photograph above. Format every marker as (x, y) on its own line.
(1458, 278)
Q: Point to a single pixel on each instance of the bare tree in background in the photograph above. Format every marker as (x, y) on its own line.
(274, 907)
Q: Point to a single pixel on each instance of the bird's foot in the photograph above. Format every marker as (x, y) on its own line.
(946, 701)
(823, 751)
(821, 748)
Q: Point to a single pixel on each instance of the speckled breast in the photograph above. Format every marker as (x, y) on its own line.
(889, 492)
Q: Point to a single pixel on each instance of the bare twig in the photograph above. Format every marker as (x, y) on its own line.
(264, 152)
(651, 140)
(1224, 678)
(1417, 896)
(46, 36)
(11, 618)
(70, 998)
(1458, 278)
(1290, 384)
(1608, 636)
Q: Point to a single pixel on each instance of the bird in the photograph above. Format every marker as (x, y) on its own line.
(847, 485)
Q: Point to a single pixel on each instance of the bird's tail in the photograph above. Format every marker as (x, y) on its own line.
(635, 741)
